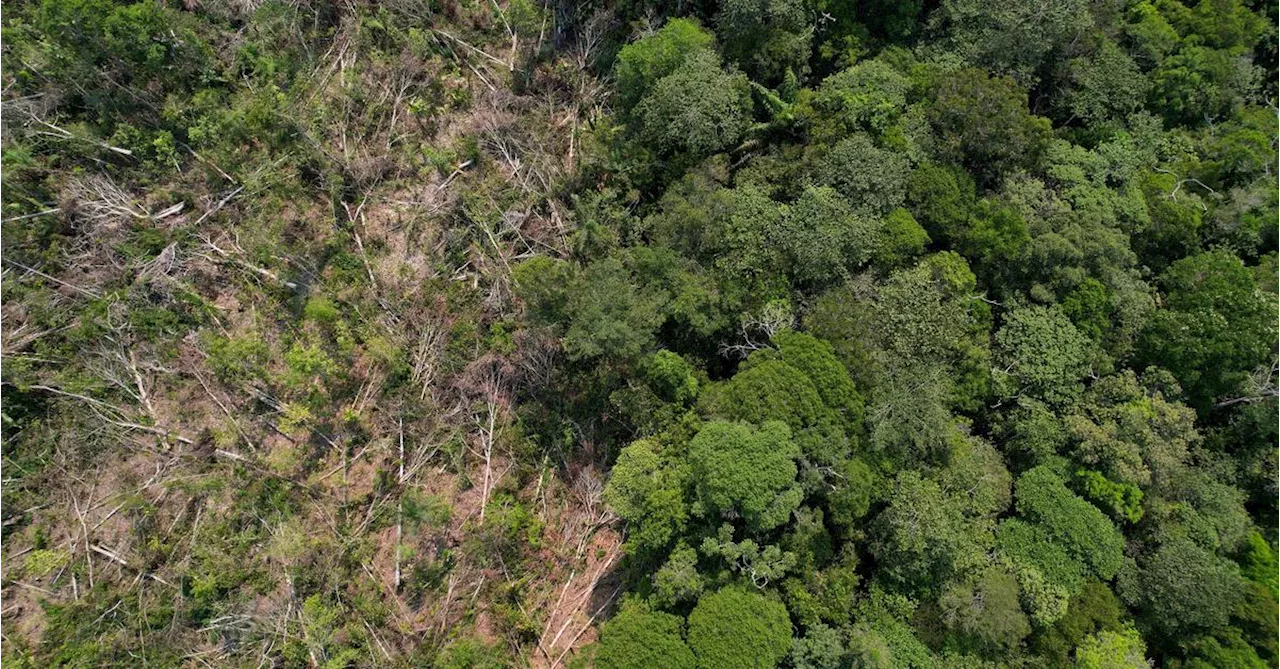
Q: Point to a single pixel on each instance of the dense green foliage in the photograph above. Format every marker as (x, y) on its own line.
(744, 333)
(977, 280)
(736, 628)
(636, 637)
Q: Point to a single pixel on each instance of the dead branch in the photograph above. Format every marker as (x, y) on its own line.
(758, 329)
(124, 563)
(60, 282)
(231, 417)
(473, 49)
(232, 256)
(62, 133)
(487, 380)
(46, 212)
(1262, 385)
(586, 627)
(400, 501)
(98, 199)
(217, 207)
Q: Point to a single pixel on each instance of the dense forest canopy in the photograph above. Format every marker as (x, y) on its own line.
(644, 333)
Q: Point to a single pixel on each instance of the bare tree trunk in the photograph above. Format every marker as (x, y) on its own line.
(400, 507)
(487, 381)
(487, 437)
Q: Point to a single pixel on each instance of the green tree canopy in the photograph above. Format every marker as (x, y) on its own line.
(671, 377)
(850, 498)
(871, 97)
(1008, 36)
(117, 61)
(648, 495)
(773, 390)
(1216, 327)
(608, 316)
(637, 638)
(1107, 649)
(1030, 545)
(644, 62)
(768, 39)
(943, 199)
(923, 537)
(824, 238)
(873, 179)
(1078, 526)
(747, 472)
(733, 629)
(698, 109)
(830, 377)
(1183, 589)
(1093, 609)
(982, 123)
(1130, 433)
(1104, 85)
(987, 608)
(1042, 355)
(820, 647)
(1199, 84)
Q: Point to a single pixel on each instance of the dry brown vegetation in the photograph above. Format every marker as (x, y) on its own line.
(307, 466)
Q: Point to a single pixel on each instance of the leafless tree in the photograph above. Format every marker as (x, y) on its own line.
(757, 329)
(487, 383)
(1261, 385)
(433, 333)
(538, 351)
